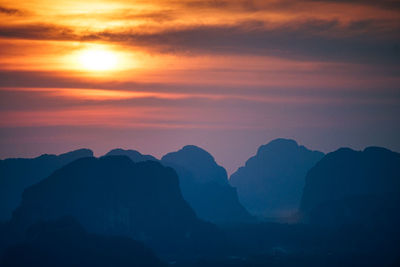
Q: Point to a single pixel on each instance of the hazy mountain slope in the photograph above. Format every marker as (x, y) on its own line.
(134, 155)
(271, 183)
(205, 186)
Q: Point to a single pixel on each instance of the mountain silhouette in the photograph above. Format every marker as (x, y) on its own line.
(19, 173)
(134, 155)
(354, 187)
(64, 242)
(272, 181)
(112, 211)
(205, 186)
(114, 196)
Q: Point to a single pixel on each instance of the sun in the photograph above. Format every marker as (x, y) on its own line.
(98, 59)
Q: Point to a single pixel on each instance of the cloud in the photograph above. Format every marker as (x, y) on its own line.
(262, 5)
(387, 4)
(10, 11)
(38, 31)
(363, 41)
(312, 39)
(156, 16)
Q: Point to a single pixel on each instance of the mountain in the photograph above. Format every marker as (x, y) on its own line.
(17, 174)
(134, 155)
(64, 242)
(205, 186)
(115, 196)
(271, 182)
(354, 187)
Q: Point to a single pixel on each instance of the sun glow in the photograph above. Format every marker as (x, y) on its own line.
(97, 59)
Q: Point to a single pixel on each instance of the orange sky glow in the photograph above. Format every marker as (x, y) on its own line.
(241, 71)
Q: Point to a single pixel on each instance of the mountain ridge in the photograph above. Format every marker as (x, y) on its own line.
(270, 183)
(205, 186)
(115, 196)
(16, 174)
(347, 176)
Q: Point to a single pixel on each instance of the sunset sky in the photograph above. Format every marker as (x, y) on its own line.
(228, 76)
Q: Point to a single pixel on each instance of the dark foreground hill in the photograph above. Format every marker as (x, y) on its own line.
(65, 242)
(115, 196)
(354, 187)
(17, 174)
(205, 186)
(271, 183)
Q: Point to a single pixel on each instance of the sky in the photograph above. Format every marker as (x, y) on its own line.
(226, 75)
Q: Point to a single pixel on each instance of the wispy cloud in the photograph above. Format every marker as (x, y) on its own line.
(260, 5)
(10, 11)
(38, 31)
(366, 41)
